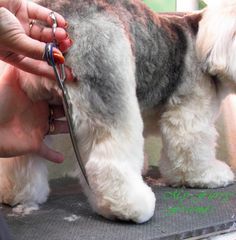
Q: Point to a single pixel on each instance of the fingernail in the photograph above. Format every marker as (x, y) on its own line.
(60, 158)
(66, 25)
(69, 73)
(67, 36)
(71, 42)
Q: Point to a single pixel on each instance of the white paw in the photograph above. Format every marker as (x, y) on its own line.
(143, 207)
(217, 174)
(137, 206)
(25, 209)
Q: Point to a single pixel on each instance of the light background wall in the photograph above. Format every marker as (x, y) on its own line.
(161, 5)
(174, 5)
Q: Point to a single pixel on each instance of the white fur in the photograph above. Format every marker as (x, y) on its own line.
(216, 41)
(23, 180)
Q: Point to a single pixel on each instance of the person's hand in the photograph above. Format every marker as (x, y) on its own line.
(21, 43)
(23, 122)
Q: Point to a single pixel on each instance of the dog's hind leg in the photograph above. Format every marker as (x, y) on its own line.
(107, 120)
(23, 182)
(189, 140)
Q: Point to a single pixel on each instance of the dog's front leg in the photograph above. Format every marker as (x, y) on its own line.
(189, 140)
(108, 121)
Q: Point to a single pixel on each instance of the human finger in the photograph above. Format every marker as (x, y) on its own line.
(37, 67)
(28, 47)
(38, 12)
(64, 45)
(30, 65)
(44, 34)
(50, 154)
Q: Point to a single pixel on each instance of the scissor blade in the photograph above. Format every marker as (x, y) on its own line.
(61, 77)
(68, 114)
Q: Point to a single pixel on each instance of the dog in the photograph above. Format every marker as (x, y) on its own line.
(138, 73)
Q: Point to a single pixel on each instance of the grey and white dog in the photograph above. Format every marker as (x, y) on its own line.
(139, 72)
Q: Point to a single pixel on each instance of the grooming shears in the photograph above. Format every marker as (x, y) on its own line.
(57, 62)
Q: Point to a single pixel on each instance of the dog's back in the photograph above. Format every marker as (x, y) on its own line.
(159, 43)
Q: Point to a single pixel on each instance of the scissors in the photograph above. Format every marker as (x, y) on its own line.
(57, 61)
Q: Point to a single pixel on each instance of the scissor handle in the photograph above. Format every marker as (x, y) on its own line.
(58, 58)
(53, 57)
(54, 24)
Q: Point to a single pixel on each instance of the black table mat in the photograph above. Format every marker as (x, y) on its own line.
(180, 213)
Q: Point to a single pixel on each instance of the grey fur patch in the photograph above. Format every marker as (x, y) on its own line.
(101, 61)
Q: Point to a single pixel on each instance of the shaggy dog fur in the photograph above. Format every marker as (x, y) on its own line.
(133, 67)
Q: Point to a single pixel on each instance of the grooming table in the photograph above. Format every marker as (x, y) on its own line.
(180, 213)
